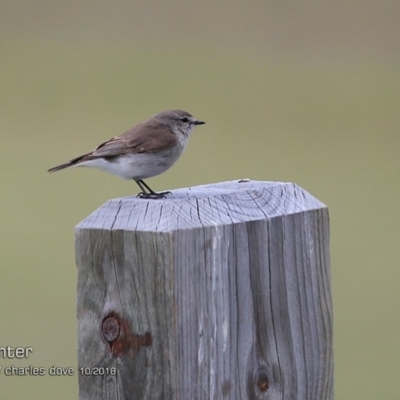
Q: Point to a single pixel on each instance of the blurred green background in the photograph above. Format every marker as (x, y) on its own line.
(307, 92)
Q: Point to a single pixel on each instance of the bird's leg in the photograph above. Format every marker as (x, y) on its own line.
(151, 194)
(150, 190)
(143, 192)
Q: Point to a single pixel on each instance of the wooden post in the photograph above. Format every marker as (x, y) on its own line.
(219, 291)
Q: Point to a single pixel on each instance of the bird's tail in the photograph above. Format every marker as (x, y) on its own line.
(60, 167)
(68, 164)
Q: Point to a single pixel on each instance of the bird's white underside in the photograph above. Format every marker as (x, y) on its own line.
(137, 166)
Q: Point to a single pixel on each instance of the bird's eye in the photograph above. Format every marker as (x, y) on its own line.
(184, 119)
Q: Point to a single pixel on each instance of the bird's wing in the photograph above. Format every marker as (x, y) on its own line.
(147, 137)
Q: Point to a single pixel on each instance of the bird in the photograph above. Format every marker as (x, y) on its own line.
(143, 151)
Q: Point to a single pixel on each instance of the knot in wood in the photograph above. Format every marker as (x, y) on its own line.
(262, 382)
(111, 328)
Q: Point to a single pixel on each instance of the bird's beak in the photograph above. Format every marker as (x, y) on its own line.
(197, 122)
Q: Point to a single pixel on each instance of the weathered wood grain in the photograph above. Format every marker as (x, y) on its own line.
(217, 292)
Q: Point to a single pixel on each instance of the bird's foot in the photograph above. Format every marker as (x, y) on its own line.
(153, 196)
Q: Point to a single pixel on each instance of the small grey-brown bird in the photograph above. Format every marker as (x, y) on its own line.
(148, 149)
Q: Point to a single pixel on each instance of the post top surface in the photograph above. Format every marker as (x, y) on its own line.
(204, 205)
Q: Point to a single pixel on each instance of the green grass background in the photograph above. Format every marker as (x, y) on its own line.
(307, 92)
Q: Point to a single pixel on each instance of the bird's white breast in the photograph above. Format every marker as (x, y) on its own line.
(138, 166)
